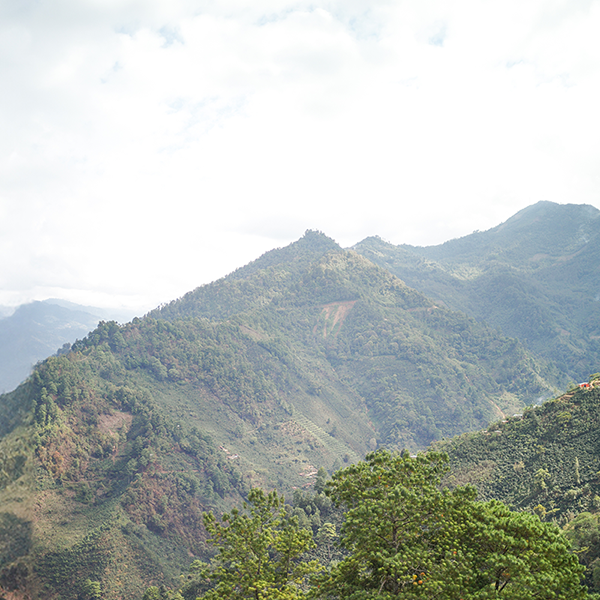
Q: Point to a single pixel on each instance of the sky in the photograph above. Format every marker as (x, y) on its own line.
(150, 146)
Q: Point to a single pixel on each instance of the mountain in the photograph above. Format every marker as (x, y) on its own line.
(535, 277)
(6, 311)
(310, 356)
(34, 331)
(416, 365)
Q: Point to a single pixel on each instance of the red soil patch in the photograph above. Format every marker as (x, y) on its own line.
(333, 314)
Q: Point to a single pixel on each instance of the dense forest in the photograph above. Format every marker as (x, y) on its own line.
(545, 461)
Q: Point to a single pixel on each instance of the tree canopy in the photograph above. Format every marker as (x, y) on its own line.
(259, 552)
(407, 538)
(402, 537)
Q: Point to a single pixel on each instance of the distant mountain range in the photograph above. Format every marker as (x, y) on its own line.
(308, 357)
(34, 331)
(535, 277)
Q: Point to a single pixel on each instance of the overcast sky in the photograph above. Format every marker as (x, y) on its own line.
(150, 146)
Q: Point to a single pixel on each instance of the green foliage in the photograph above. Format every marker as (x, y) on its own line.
(91, 590)
(544, 462)
(423, 371)
(316, 512)
(67, 569)
(33, 332)
(402, 537)
(406, 538)
(584, 533)
(321, 480)
(538, 458)
(534, 278)
(161, 593)
(103, 444)
(260, 552)
(15, 538)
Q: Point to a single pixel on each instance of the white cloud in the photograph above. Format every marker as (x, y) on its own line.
(152, 146)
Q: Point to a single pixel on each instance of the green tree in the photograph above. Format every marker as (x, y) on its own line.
(260, 552)
(161, 593)
(321, 480)
(326, 536)
(584, 533)
(407, 538)
(91, 590)
(514, 555)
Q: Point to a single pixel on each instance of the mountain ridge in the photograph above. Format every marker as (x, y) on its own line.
(547, 297)
(556, 228)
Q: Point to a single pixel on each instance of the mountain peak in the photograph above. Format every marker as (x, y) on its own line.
(317, 238)
(311, 245)
(544, 213)
(544, 228)
(289, 261)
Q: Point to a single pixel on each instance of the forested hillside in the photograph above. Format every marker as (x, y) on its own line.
(307, 358)
(535, 277)
(401, 537)
(33, 332)
(423, 371)
(545, 461)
